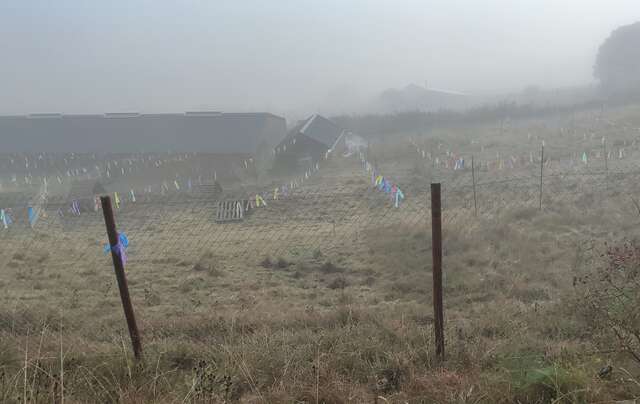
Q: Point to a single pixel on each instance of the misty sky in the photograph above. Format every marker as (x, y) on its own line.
(287, 56)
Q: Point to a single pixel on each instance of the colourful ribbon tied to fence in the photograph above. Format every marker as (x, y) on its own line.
(32, 216)
(388, 187)
(120, 248)
(75, 207)
(6, 219)
(399, 197)
(121, 252)
(260, 201)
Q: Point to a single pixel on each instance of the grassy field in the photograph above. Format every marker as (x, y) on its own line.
(325, 296)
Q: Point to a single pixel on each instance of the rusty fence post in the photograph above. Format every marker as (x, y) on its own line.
(436, 238)
(118, 265)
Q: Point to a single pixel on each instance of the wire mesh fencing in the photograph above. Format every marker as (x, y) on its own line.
(179, 229)
(327, 215)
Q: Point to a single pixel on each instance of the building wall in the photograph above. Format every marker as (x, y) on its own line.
(121, 133)
(299, 154)
(341, 144)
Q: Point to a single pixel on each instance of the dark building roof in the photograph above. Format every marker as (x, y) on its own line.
(318, 128)
(123, 132)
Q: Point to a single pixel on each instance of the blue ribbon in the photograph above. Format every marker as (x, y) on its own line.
(387, 187)
(32, 215)
(121, 252)
(120, 248)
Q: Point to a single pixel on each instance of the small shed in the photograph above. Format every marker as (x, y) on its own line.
(309, 141)
(85, 192)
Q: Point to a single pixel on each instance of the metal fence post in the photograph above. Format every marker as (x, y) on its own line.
(436, 237)
(118, 265)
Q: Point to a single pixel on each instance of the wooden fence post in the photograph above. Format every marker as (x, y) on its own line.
(436, 237)
(606, 163)
(118, 264)
(541, 167)
(473, 177)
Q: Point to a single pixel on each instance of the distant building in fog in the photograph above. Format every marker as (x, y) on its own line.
(206, 132)
(416, 98)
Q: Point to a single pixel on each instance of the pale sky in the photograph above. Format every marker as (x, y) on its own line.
(287, 56)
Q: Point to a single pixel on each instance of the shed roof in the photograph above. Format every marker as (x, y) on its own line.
(318, 128)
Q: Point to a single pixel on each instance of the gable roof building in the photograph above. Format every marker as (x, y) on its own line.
(309, 141)
(317, 130)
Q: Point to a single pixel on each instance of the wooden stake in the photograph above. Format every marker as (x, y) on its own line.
(118, 265)
(436, 237)
(541, 167)
(473, 177)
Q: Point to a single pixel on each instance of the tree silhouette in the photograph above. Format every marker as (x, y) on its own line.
(618, 61)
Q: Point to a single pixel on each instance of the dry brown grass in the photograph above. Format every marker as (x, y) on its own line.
(344, 319)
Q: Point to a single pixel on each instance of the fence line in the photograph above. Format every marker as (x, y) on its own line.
(314, 217)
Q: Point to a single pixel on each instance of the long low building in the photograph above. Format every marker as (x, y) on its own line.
(207, 132)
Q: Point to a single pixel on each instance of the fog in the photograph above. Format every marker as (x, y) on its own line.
(288, 57)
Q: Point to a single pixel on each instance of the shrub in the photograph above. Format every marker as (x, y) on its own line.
(338, 283)
(266, 263)
(210, 269)
(200, 267)
(551, 384)
(282, 263)
(329, 268)
(609, 297)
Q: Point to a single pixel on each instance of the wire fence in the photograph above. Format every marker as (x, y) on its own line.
(179, 229)
(333, 211)
(339, 210)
